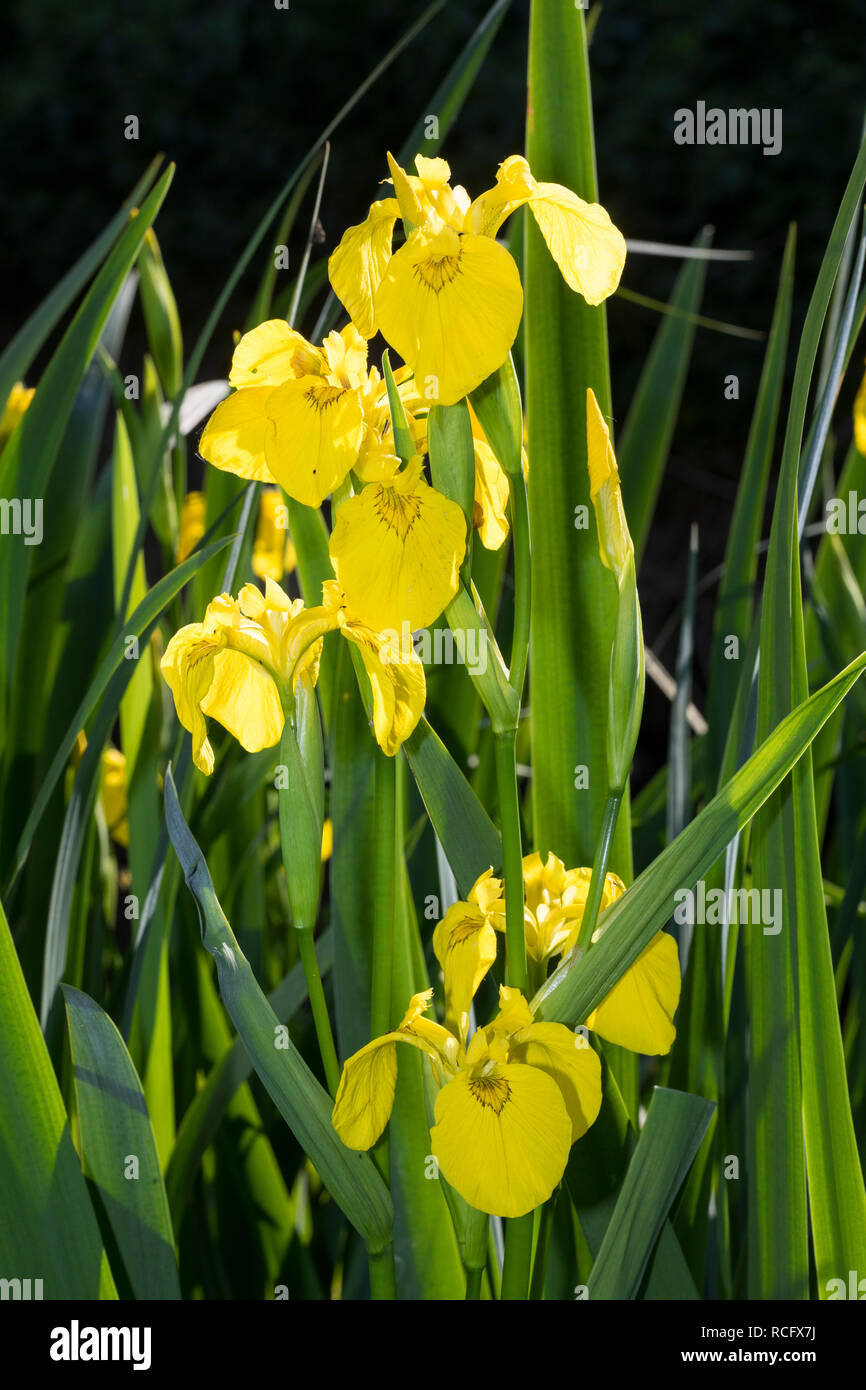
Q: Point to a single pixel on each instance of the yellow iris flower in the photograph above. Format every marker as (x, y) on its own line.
(241, 663)
(192, 525)
(396, 549)
(638, 1012)
(296, 415)
(860, 418)
(450, 299)
(509, 1107)
(274, 553)
(19, 399)
(113, 794)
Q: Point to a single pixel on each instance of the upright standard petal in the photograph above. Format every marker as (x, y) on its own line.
(638, 1012)
(465, 946)
(490, 503)
(450, 304)
(356, 268)
(313, 436)
(397, 550)
(502, 1136)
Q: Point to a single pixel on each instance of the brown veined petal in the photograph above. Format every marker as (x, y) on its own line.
(465, 947)
(313, 437)
(356, 267)
(502, 1137)
(397, 550)
(234, 437)
(450, 304)
(397, 685)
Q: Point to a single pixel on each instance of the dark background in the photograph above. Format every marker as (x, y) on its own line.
(235, 91)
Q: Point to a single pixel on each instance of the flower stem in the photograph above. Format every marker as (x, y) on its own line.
(599, 869)
(505, 745)
(473, 1284)
(383, 1281)
(522, 582)
(539, 1270)
(385, 873)
(307, 948)
(518, 1256)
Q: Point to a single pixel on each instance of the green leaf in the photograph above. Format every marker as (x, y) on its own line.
(451, 93)
(48, 1229)
(733, 615)
(351, 1178)
(642, 451)
(669, 1140)
(19, 354)
(467, 835)
(115, 1127)
(140, 625)
(565, 345)
(574, 990)
(225, 1079)
(27, 461)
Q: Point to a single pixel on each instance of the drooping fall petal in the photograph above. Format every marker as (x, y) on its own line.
(397, 550)
(638, 1012)
(502, 1137)
(450, 304)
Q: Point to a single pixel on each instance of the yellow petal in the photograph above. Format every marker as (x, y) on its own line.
(397, 550)
(270, 354)
(192, 525)
(574, 895)
(243, 698)
(397, 685)
(187, 667)
(313, 437)
(502, 1138)
(450, 304)
(113, 795)
(356, 267)
(465, 947)
(638, 1012)
(273, 552)
(490, 513)
(234, 437)
(365, 1096)
(614, 538)
(486, 891)
(860, 418)
(568, 1059)
(587, 247)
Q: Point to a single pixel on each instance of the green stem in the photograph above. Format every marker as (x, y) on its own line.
(321, 1019)
(473, 1284)
(505, 746)
(518, 1257)
(383, 1280)
(599, 869)
(522, 581)
(385, 871)
(539, 1269)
